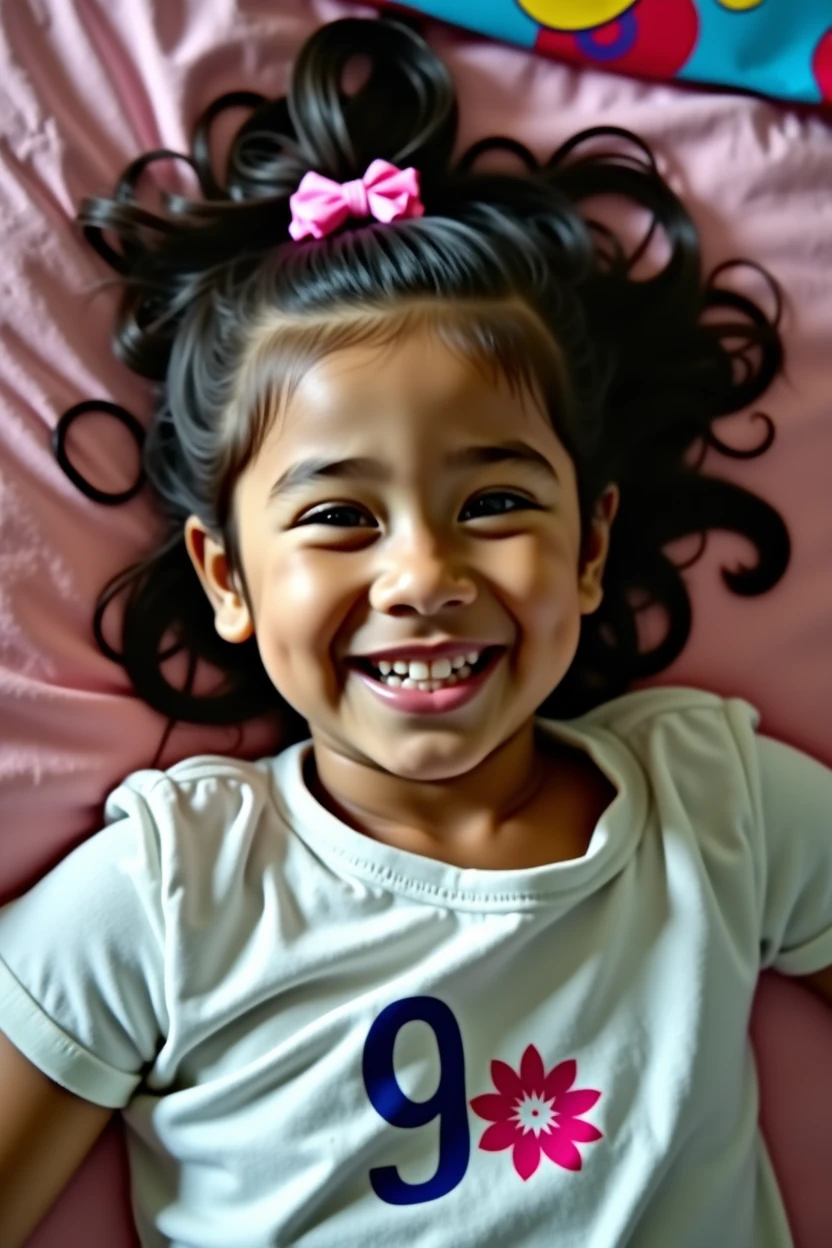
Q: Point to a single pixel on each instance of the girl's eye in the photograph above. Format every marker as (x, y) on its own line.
(335, 509)
(493, 508)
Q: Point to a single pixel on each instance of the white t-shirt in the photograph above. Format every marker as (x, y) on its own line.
(321, 1040)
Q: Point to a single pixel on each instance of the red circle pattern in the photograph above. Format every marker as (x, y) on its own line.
(822, 65)
(667, 34)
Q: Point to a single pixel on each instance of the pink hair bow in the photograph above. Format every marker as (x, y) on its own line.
(320, 205)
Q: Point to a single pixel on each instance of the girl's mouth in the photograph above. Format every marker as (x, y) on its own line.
(445, 697)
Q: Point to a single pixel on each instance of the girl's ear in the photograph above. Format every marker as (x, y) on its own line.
(595, 550)
(232, 618)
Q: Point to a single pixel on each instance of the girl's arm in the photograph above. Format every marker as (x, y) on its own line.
(45, 1134)
(794, 793)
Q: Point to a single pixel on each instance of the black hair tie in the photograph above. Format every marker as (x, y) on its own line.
(59, 447)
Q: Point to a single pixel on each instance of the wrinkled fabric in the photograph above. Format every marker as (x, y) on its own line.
(242, 972)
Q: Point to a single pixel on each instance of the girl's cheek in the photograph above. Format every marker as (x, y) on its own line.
(308, 607)
(297, 583)
(538, 576)
(298, 590)
(310, 595)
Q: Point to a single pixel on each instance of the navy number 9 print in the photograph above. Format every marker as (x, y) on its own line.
(448, 1102)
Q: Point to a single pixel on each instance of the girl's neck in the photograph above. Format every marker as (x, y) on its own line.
(450, 819)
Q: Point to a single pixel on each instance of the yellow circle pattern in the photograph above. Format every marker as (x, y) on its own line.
(584, 14)
(739, 6)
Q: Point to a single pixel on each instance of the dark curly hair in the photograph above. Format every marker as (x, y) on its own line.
(634, 372)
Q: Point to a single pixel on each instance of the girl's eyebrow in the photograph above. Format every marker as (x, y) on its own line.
(308, 470)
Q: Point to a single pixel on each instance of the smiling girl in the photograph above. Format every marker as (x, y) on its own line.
(470, 961)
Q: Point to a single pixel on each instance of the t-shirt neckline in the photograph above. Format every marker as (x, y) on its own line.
(432, 881)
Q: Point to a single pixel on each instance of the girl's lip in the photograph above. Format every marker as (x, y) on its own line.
(417, 702)
(427, 652)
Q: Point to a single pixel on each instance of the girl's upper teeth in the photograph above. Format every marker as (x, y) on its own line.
(418, 669)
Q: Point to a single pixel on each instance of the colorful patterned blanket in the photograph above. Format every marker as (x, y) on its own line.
(780, 48)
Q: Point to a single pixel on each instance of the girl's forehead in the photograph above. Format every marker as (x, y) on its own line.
(415, 382)
(411, 407)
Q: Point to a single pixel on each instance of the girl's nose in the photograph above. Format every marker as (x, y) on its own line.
(422, 577)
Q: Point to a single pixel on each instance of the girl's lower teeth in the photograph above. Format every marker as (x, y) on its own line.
(426, 686)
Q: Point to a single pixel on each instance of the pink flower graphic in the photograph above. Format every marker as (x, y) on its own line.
(533, 1112)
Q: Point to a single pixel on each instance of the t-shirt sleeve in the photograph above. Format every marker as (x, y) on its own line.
(82, 960)
(795, 796)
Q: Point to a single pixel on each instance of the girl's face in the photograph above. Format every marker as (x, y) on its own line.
(411, 533)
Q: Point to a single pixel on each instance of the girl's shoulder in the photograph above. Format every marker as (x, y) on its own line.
(673, 731)
(208, 798)
(645, 705)
(201, 775)
(199, 828)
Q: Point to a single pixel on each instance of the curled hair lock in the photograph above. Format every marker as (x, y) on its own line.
(651, 363)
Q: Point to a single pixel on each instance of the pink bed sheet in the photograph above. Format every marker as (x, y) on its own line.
(86, 86)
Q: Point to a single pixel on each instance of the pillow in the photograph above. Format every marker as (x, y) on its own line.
(87, 88)
(777, 48)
